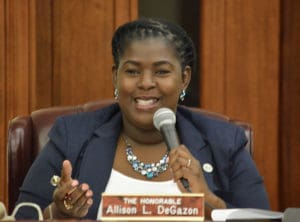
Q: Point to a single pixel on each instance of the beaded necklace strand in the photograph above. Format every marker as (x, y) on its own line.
(149, 170)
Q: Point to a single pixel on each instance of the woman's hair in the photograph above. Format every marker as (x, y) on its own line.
(145, 28)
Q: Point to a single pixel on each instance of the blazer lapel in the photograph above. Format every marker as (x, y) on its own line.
(190, 135)
(98, 160)
(196, 142)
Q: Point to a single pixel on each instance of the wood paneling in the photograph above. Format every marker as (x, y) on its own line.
(17, 58)
(212, 55)
(42, 55)
(123, 12)
(54, 53)
(15, 74)
(290, 106)
(3, 188)
(73, 25)
(82, 51)
(252, 79)
(239, 56)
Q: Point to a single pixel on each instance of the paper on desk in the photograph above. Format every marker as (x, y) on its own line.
(244, 213)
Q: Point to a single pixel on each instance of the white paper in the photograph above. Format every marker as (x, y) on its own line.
(244, 213)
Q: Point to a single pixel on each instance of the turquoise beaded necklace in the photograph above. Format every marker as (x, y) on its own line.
(149, 170)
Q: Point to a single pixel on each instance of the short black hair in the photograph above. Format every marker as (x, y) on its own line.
(144, 28)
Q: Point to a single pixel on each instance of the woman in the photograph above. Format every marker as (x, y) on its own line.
(153, 62)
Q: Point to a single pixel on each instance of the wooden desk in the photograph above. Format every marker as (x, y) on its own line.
(73, 220)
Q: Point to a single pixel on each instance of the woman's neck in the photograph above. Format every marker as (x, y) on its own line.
(142, 136)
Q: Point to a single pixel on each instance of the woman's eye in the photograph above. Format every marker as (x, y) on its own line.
(132, 71)
(162, 72)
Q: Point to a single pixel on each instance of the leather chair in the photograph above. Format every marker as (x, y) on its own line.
(28, 134)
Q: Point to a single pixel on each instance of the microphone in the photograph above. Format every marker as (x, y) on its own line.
(164, 121)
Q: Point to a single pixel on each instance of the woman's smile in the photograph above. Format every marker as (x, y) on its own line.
(146, 103)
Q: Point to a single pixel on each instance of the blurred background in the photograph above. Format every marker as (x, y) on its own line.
(57, 52)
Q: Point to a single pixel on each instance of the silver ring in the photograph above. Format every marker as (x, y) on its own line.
(189, 163)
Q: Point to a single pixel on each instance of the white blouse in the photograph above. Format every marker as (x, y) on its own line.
(119, 183)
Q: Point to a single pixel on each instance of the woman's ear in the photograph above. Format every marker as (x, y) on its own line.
(186, 77)
(114, 75)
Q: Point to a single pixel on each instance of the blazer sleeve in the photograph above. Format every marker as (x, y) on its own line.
(246, 187)
(36, 187)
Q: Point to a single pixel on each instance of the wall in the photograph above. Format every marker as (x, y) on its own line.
(250, 65)
(54, 53)
(289, 133)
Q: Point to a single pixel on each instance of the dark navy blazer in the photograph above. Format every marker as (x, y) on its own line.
(89, 141)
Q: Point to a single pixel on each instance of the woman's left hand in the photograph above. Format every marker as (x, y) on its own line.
(183, 165)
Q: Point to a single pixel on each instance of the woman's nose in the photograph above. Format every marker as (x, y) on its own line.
(146, 80)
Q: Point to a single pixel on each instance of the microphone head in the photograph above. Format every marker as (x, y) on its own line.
(163, 116)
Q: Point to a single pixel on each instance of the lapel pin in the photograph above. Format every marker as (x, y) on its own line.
(55, 180)
(208, 168)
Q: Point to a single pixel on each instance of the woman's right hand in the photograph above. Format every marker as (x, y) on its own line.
(70, 199)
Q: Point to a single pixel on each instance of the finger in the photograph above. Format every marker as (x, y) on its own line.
(78, 193)
(180, 162)
(173, 157)
(68, 201)
(64, 190)
(181, 150)
(83, 210)
(66, 171)
(183, 168)
(82, 201)
(68, 187)
(184, 162)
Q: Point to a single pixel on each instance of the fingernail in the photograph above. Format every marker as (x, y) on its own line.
(90, 201)
(88, 193)
(74, 183)
(84, 187)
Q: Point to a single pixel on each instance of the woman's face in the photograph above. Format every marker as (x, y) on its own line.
(149, 77)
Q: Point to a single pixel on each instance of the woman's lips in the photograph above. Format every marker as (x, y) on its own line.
(146, 103)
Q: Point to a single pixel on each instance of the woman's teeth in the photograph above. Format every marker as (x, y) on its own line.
(146, 101)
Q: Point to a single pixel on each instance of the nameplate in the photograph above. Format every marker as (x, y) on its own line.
(183, 207)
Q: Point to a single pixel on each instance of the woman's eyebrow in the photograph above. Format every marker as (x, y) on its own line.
(163, 62)
(132, 62)
(155, 64)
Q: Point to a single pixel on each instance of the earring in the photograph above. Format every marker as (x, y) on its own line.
(116, 94)
(182, 95)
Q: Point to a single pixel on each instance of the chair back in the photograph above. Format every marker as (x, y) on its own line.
(27, 135)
